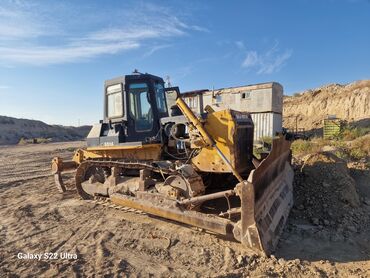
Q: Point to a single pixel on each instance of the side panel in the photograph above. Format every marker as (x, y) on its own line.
(278, 123)
(277, 98)
(266, 124)
(103, 135)
(134, 151)
(93, 138)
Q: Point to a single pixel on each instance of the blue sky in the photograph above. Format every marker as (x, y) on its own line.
(55, 55)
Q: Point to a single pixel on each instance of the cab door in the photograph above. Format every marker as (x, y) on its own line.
(143, 123)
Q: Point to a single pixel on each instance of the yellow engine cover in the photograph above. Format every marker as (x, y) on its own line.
(233, 133)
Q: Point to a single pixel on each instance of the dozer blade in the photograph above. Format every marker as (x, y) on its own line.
(57, 167)
(266, 199)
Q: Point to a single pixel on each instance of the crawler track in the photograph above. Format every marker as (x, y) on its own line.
(136, 165)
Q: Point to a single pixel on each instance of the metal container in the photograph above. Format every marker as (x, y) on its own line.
(332, 127)
(266, 97)
(195, 103)
(266, 124)
(263, 101)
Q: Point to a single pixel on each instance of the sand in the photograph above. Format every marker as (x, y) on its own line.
(83, 239)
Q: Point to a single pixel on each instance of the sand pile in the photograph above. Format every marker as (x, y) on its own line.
(12, 130)
(326, 197)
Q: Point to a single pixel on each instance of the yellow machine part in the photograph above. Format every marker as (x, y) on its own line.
(130, 152)
(222, 127)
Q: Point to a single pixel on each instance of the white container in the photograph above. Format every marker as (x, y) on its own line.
(266, 124)
(195, 103)
(266, 97)
(263, 101)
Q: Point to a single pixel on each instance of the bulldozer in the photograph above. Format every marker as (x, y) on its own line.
(153, 154)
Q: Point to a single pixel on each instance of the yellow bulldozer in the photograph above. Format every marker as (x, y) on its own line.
(152, 153)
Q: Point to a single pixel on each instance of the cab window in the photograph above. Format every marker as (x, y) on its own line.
(114, 101)
(160, 98)
(140, 108)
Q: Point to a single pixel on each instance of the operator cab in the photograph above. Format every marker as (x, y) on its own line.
(133, 107)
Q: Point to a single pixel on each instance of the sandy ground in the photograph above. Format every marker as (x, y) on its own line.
(36, 219)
